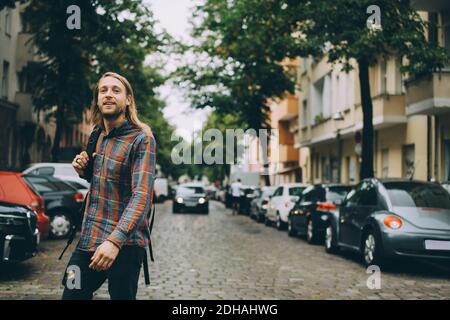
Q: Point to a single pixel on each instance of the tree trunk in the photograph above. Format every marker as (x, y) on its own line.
(58, 133)
(263, 137)
(367, 109)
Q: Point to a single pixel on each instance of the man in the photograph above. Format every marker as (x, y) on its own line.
(114, 230)
(236, 195)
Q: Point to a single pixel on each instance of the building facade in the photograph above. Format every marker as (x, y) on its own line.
(26, 136)
(411, 117)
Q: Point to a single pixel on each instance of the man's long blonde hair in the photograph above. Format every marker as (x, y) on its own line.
(130, 110)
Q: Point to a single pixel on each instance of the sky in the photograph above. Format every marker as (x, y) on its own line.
(173, 16)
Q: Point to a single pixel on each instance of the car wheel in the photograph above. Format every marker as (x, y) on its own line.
(291, 230)
(175, 209)
(311, 235)
(279, 223)
(330, 240)
(267, 222)
(60, 225)
(371, 248)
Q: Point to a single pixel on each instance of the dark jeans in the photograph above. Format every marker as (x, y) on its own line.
(122, 277)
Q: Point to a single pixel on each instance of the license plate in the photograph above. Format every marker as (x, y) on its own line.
(191, 204)
(437, 245)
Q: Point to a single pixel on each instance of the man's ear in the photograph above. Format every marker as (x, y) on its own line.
(128, 100)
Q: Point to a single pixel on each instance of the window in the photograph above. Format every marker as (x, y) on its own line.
(8, 22)
(313, 193)
(278, 192)
(447, 160)
(337, 193)
(385, 163)
(408, 161)
(44, 171)
(351, 169)
(416, 194)
(305, 115)
(368, 195)
(383, 76)
(4, 93)
(297, 191)
(433, 28)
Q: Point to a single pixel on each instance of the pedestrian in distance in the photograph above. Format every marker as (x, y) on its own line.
(236, 196)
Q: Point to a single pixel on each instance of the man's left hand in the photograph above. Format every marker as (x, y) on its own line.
(104, 256)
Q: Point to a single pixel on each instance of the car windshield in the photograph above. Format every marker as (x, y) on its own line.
(190, 190)
(416, 194)
(66, 171)
(337, 193)
(45, 185)
(296, 191)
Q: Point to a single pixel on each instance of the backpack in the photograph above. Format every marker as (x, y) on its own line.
(93, 138)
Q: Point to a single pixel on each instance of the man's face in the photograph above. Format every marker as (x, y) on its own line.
(112, 98)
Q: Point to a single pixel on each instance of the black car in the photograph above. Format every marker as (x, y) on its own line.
(248, 193)
(62, 203)
(386, 219)
(190, 196)
(19, 235)
(310, 213)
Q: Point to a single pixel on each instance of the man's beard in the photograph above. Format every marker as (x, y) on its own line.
(112, 116)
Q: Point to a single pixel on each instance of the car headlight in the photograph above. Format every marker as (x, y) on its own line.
(201, 200)
(393, 222)
(264, 206)
(179, 200)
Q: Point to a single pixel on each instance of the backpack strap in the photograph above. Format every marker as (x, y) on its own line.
(149, 249)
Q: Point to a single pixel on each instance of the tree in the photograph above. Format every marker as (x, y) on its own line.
(258, 35)
(114, 35)
(233, 74)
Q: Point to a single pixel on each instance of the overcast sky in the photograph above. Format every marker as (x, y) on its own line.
(173, 16)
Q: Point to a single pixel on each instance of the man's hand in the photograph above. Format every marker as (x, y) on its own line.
(80, 162)
(104, 256)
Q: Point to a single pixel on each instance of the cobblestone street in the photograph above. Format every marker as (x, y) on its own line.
(220, 256)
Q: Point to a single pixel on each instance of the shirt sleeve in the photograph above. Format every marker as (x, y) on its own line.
(143, 172)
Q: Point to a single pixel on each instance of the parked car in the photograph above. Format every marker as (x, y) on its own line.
(14, 189)
(211, 192)
(446, 185)
(63, 171)
(19, 233)
(258, 206)
(310, 212)
(190, 196)
(248, 193)
(387, 219)
(62, 203)
(281, 202)
(161, 188)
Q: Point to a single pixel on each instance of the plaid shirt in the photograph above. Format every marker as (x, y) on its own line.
(120, 192)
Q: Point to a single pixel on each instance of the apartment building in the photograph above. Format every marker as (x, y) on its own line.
(410, 116)
(26, 136)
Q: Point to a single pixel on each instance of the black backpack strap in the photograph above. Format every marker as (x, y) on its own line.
(149, 249)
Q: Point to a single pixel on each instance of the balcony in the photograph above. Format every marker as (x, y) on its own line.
(287, 109)
(287, 153)
(428, 94)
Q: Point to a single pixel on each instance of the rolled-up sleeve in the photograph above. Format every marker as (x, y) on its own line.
(143, 173)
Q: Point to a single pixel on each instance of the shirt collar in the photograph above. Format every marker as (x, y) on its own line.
(116, 131)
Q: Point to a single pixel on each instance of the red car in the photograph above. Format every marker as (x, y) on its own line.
(13, 189)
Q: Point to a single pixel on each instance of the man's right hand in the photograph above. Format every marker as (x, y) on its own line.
(80, 162)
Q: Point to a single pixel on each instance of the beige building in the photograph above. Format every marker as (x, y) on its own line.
(25, 135)
(411, 117)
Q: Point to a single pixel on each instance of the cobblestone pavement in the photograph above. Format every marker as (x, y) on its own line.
(220, 256)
